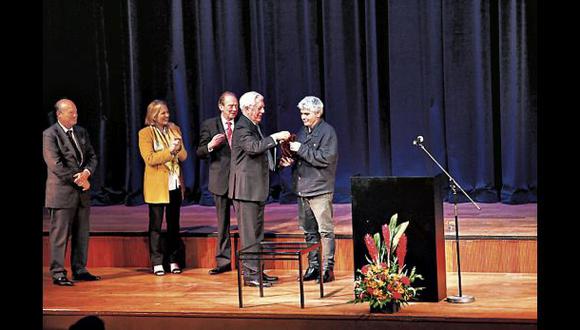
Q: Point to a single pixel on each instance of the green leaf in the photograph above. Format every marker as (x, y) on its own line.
(399, 232)
(377, 238)
(379, 244)
(368, 259)
(393, 223)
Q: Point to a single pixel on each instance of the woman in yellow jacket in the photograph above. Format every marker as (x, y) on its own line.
(162, 150)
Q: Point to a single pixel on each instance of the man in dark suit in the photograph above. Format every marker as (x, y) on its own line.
(70, 161)
(249, 178)
(215, 144)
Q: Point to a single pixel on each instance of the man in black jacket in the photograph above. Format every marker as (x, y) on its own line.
(314, 172)
(215, 144)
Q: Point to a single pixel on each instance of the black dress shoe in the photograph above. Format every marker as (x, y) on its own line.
(327, 277)
(269, 278)
(62, 281)
(86, 277)
(256, 283)
(311, 274)
(220, 269)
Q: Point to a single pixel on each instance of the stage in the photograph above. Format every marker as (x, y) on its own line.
(132, 298)
(497, 243)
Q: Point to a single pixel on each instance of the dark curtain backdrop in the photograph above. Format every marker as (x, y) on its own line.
(460, 73)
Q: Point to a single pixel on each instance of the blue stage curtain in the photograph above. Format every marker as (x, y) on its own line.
(461, 74)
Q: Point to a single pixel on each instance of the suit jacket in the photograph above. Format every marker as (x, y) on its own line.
(249, 173)
(219, 158)
(62, 163)
(156, 178)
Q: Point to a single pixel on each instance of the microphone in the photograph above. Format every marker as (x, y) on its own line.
(418, 140)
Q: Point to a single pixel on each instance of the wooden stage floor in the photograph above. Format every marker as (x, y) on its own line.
(493, 220)
(501, 299)
(131, 297)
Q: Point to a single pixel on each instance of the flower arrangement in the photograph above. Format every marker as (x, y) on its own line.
(384, 280)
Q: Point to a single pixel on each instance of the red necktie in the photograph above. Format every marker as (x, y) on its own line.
(229, 133)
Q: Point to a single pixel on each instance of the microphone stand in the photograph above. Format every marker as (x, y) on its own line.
(459, 299)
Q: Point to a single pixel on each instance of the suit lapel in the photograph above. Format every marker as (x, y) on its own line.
(65, 141)
(220, 125)
(68, 143)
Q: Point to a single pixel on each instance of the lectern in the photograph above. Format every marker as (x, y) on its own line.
(417, 200)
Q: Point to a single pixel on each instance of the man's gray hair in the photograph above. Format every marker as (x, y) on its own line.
(248, 100)
(311, 103)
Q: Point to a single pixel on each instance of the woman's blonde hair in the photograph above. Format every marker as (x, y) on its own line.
(153, 110)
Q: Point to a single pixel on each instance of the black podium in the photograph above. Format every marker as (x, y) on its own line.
(417, 200)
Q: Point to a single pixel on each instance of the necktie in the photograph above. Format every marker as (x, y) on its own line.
(270, 159)
(229, 133)
(75, 147)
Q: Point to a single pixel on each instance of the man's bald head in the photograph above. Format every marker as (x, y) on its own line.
(66, 112)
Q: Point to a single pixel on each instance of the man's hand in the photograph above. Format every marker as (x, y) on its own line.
(281, 136)
(294, 146)
(216, 140)
(81, 176)
(86, 185)
(81, 179)
(286, 161)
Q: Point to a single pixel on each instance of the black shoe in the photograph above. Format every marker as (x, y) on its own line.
(62, 281)
(220, 269)
(311, 274)
(86, 277)
(256, 283)
(269, 278)
(327, 277)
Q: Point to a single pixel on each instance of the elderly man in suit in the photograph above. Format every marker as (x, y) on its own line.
(70, 161)
(215, 144)
(249, 178)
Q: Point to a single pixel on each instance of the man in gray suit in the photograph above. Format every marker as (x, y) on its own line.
(70, 160)
(249, 178)
(215, 144)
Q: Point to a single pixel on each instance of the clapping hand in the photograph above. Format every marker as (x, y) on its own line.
(216, 140)
(175, 146)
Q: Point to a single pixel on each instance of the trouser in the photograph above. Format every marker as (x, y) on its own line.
(223, 245)
(315, 219)
(73, 222)
(174, 245)
(251, 227)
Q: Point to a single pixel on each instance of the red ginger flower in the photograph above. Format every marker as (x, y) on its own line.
(402, 250)
(387, 237)
(405, 280)
(397, 295)
(370, 243)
